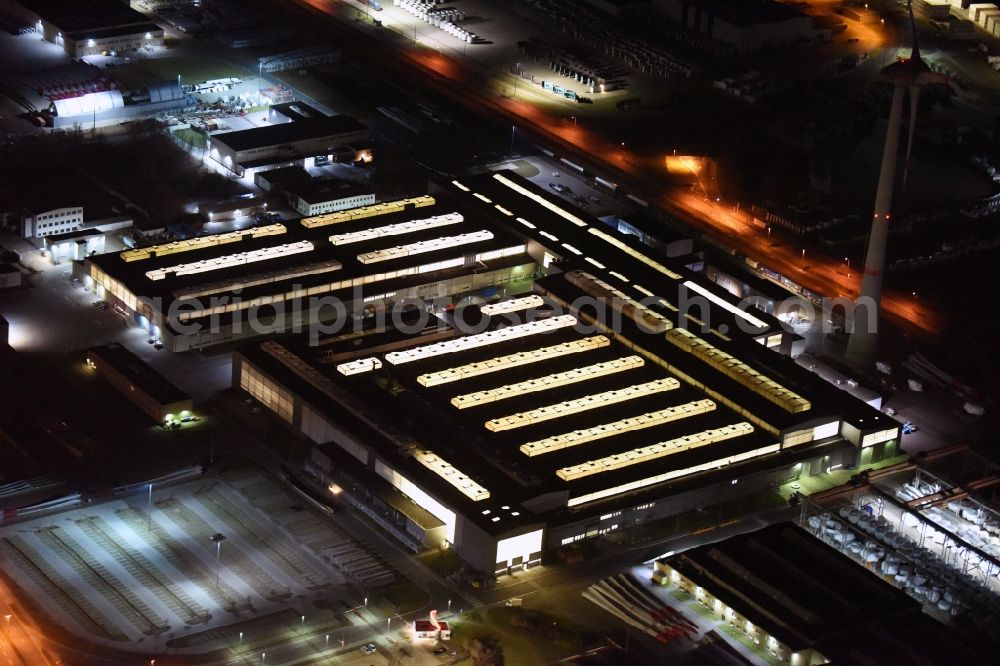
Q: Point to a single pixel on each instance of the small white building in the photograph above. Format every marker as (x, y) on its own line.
(326, 196)
(50, 222)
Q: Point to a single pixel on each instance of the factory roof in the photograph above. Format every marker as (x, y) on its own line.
(135, 370)
(809, 595)
(746, 13)
(74, 16)
(376, 249)
(298, 130)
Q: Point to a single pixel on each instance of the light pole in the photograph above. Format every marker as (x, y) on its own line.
(328, 640)
(803, 258)
(149, 509)
(449, 605)
(218, 538)
(241, 637)
(513, 128)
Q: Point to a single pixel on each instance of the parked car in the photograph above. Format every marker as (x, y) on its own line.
(368, 648)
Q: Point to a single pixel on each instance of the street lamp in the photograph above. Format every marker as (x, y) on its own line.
(241, 637)
(449, 605)
(218, 538)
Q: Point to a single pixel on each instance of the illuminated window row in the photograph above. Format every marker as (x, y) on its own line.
(547, 382)
(635, 254)
(654, 451)
(512, 361)
(259, 279)
(422, 247)
(396, 229)
(876, 437)
(186, 314)
(672, 474)
(739, 371)
(201, 242)
(566, 215)
(583, 404)
(650, 319)
(511, 251)
(359, 366)
(452, 475)
(480, 339)
(725, 305)
(226, 261)
(513, 305)
(362, 212)
(647, 420)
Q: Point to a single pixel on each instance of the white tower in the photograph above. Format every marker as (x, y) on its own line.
(906, 75)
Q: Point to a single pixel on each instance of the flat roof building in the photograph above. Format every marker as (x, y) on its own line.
(290, 138)
(324, 196)
(600, 401)
(314, 271)
(805, 603)
(88, 28)
(138, 382)
(748, 25)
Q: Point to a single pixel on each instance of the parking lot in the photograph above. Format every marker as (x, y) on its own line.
(196, 558)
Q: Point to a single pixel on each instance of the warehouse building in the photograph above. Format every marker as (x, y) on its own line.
(598, 402)
(138, 382)
(804, 603)
(748, 25)
(295, 134)
(318, 270)
(88, 28)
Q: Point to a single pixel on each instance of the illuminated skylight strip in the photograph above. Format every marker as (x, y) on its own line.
(503, 210)
(397, 229)
(340, 216)
(635, 254)
(235, 305)
(359, 366)
(526, 223)
(200, 242)
(630, 424)
(654, 451)
(618, 275)
(482, 197)
(566, 215)
(617, 299)
(725, 305)
(673, 474)
(229, 260)
(421, 247)
(583, 404)
(480, 339)
(452, 475)
(548, 235)
(246, 281)
(516, 360)
(513, 305)
(547, 382)
(739, 371)
(460, 186)
(572, 249)
(595, 262)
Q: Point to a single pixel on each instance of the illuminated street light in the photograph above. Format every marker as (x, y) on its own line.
(241, 637)
(218, 538)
